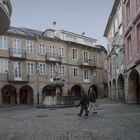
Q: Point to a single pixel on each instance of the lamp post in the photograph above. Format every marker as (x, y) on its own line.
(37, 74)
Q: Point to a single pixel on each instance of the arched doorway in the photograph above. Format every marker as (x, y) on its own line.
(76, 91)
(114, 89)
(26, 95)
(48, 91)
(95, 89)
(133, 87)
(121, 93)
(9, 95)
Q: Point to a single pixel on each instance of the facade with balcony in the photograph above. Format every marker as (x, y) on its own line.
(34, 65)
(132, 49)
(114, 33)
(5, 14)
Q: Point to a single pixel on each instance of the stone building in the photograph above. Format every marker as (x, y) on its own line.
(132, 49)
(5, 14)
(36, 64)
(114, 33)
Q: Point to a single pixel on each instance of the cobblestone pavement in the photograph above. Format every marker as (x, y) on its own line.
(114, 121)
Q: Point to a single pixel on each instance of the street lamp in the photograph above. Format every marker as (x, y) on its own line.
(37, 69)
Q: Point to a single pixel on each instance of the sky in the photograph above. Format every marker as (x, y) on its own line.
(78, 16)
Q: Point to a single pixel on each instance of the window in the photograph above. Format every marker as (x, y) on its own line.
(42, 49)
(75, 72)
(120, 14)
(85, 74)
(17, 47)
(42, 70)
(94, 57)
(29, 46)
(3, 66)
(95, 73)
(52, 52)
(85, 57)
(52, 71)
(116, 24)
(74, 54)
(137, 3)
(138, 38)
(128, 12)
(30, 68)
(61, 51)
(3, 42)
(17, 70)
(62, 70)
(114, 60)
(129, 48)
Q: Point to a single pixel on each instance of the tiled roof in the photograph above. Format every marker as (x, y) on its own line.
(16, 30)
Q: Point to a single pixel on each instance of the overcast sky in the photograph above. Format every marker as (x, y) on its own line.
(89, 16)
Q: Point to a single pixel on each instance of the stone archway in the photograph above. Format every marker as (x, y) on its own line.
(133, 87)
(9, 95)
(114, 89)
(76, 90)
(26, 95)
(121, 93)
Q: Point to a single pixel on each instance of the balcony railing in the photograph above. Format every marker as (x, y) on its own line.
(87, 63)
(17, 54)
(12, 78)
(53, 57)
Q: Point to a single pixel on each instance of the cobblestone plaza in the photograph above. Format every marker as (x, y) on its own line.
(114, 121)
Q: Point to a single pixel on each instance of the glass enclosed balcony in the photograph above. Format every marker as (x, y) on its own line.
(5, 14)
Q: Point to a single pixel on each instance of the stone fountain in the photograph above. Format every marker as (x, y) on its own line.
(58, 99)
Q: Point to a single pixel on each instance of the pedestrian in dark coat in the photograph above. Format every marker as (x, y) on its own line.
(92, 100)
(83, 103)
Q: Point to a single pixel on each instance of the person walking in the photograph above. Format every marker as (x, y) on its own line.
(84, 102)
(92, 100)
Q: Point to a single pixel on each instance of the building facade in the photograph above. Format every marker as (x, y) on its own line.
(114, 33)
(132, 49)
(35, 64)
(5, 14)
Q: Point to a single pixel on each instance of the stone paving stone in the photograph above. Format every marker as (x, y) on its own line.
(114, 121)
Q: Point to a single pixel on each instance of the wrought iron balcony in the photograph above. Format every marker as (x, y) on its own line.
(53, 57)
(87, 63)
(24, 78)
(17, 54)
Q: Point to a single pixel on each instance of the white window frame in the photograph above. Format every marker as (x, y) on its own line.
(3, 65)
(17, 47)
(52, 72)
(17, 70)
(29, 46)
(74, 53)
(52, 52)
(75, 72)
(61, 51)
(42, 49)
(3, 43)
(94, 56)
(62, 70)
(95, 73)
(42, 68)
(30, 68)
(86, 75)
(85, 57)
